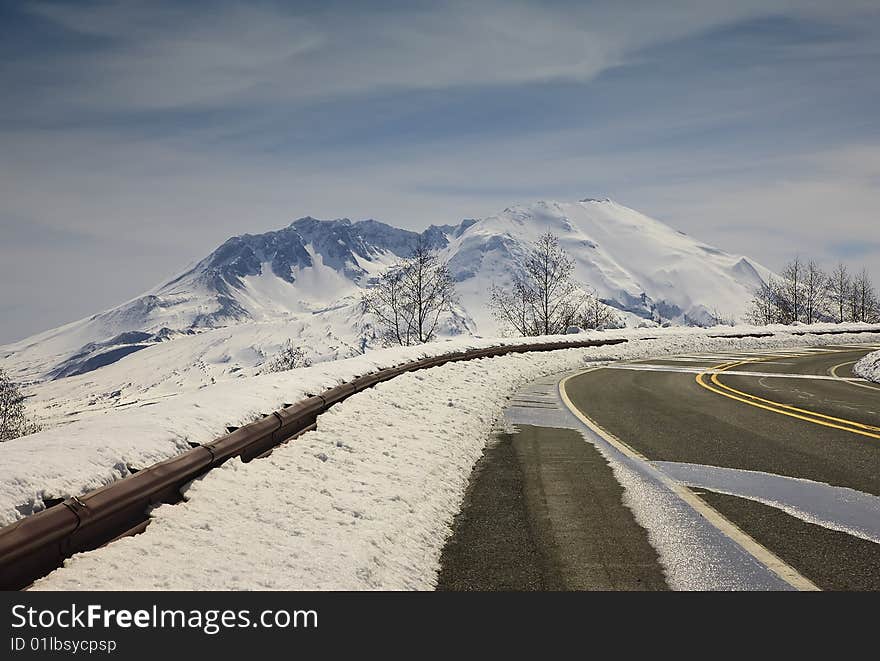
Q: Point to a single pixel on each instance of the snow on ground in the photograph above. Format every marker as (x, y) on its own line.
(869, 367)
(168, 369)
(365, 502)
(95, 450)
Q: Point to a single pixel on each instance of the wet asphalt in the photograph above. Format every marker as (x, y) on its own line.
(832, 560)
(669, 417)
(543, 510)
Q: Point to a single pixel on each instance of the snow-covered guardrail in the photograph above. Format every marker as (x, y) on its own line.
(37, 544)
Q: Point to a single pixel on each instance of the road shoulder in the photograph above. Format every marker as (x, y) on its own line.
(544, 512)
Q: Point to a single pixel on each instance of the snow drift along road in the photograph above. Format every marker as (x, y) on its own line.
(364, 502)
(65, 460)
(869, 367)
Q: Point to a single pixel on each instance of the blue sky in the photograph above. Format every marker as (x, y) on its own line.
(136, 136)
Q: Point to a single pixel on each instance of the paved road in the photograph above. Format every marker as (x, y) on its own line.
(544, 512)
(735, 435)
(798, 414)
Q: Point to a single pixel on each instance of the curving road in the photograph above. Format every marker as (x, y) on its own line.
(765, 416)
(747, 470)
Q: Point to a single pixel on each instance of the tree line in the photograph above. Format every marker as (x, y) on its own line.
(805, 293)
(543, 298)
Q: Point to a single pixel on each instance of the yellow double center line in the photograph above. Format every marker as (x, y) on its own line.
(778, 407)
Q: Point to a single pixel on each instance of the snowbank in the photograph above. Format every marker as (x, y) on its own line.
(364, 502)
(869, 367)
(91, 452)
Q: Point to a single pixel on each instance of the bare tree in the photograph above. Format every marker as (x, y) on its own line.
(431, 291)
(864, 304)
(290, 357)
(409, 298)
(791, 291)
(550, 269)
(807, 294)
(13, 421)
(543, 298)
(839, 286)
(815, 292)
(594, 314)
(516, 307)
(765, 305)
(388, 303)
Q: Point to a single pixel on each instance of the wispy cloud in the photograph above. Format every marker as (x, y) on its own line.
(172, 55)
(157, 129)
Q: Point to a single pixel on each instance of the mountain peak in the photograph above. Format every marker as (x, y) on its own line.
(310, 275)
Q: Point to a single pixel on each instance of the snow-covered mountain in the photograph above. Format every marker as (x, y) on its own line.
(304, 281)
(636, 263)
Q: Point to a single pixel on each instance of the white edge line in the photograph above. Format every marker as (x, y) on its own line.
(766, 557)
(861, 383)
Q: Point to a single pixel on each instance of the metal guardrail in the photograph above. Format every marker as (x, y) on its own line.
(34, 546)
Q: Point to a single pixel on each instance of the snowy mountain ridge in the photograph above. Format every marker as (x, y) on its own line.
(304, 281)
